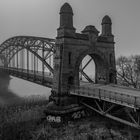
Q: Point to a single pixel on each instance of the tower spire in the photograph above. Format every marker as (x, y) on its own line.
(66, 21)
(106, 26)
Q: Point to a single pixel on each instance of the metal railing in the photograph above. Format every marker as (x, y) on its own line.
(128, 100)
(30, 75)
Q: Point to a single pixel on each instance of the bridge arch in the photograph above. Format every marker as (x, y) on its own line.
(32, 44)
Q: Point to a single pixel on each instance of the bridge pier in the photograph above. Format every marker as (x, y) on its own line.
(62, 109)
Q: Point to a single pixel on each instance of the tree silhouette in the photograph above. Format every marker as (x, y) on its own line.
(128, 71)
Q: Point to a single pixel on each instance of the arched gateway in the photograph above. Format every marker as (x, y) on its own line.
(72, 47)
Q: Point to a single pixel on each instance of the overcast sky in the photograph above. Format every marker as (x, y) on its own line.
(41, 18)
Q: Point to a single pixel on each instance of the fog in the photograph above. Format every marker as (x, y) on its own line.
(24, 88)
(13, 90)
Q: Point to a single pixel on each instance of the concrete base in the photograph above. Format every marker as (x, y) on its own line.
(62, 99)
(62, 114)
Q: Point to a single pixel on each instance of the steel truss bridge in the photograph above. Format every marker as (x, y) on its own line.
(31, 58)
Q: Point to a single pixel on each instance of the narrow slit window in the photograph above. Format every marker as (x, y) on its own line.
(110, 58)
(69, 55)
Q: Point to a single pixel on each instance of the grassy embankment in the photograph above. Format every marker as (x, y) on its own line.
(22, 121)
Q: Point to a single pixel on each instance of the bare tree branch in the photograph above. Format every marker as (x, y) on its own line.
(128, 71)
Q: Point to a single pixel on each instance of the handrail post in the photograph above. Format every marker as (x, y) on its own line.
(99, 94)
(135, 102)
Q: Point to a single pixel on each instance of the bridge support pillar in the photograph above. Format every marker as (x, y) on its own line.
(62, 114)
(63, 106)
(62, 109)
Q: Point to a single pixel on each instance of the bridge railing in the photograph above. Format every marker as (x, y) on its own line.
(124, 99)
(29, 75)
(12, 69)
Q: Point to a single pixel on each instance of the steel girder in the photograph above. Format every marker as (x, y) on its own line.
(122, 114)
(81, 70)
(15, 44)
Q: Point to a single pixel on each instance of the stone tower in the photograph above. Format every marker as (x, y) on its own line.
(72, 47)
(107, 33)
(62, 57)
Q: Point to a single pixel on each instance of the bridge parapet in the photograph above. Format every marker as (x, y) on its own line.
(111, 94)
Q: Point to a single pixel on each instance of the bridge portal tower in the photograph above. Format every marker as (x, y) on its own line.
(72, 47)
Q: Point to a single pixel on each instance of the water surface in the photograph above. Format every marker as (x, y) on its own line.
(15, 90)
(24, 88)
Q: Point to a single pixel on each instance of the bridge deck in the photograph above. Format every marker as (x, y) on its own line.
(120, 89)
(34, 76)
(111, 93)
(113, 88)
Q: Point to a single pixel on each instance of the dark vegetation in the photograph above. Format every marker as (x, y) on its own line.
(89, 129)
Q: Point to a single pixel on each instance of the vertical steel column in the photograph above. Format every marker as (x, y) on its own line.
(20, 61)
(34, 66)
(27, 64)
(23, 59)
(12, 61)
(32, 62)
(37, 63)
(13, 58)
(9, 57)
(43, 64)
(17, 59)
(7, 54)
(50, 63)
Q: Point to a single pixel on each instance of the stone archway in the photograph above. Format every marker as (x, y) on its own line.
(101, 65)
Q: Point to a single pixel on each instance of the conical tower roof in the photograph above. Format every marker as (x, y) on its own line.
(106, 20)
(66, 8)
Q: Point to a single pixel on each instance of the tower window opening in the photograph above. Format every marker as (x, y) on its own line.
(110, 58)
(69, 55)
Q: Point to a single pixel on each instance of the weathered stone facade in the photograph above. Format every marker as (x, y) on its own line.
(72, 47)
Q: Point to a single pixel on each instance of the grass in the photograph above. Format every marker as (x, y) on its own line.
(18, 116)
(22, 110)
(22, 121)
